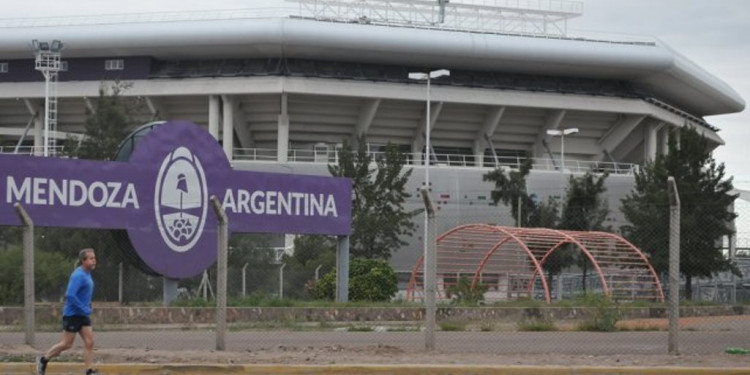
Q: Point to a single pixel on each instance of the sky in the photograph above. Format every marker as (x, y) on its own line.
(715, 34)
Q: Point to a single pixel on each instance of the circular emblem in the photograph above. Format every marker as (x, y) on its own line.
(181, 200)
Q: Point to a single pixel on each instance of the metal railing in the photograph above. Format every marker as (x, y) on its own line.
(32, 150)
(300, 11)
(495, 16)
(440, 160)
(148, 17)
(412, 159)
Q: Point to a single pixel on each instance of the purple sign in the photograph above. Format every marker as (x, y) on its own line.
(161, 196)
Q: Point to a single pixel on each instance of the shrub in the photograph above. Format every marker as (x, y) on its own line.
(369, 280)
(463, 294)
(452, 326)
(606, 314)
(51, 271)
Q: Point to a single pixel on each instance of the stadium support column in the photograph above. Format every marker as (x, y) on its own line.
(484, 136)
(228, 125)
(214, 116)
(282, 139)
(649, 142)
(664, 140)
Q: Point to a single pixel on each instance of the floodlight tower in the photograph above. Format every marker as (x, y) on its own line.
(47, 61)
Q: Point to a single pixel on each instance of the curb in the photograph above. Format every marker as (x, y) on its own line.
(168, 369)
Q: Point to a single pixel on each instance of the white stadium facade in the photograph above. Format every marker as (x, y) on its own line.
(282, 92)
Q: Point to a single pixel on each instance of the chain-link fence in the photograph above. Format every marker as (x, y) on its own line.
(279, 297)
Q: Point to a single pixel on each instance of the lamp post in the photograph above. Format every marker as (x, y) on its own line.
(429, 240)
(562, 133)
(421, 76)
(47, 61)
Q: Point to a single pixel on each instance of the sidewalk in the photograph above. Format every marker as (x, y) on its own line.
(203, 369)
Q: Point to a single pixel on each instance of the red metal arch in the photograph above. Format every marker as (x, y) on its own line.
(510, 235)
(570, 239)
(507, 256)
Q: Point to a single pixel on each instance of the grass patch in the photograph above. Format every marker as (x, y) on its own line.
(487, 327)
(360, 329)
(263, 300)
(404, 329)
(536, 325)
(640, 328)
(452, 326)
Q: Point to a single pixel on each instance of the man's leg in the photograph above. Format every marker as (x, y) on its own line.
(87, 334)
(65, 343)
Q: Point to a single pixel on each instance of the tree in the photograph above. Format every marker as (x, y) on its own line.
(585, 209)
(511, 190)
(310, 252)
(369, 280)
(51, 271)
(705, 216)
(379, 220)
(106, 125)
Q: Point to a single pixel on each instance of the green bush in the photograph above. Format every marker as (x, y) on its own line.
(463, 294)
(369, 280)
(606, 314)
(51, 271)
(452, 326)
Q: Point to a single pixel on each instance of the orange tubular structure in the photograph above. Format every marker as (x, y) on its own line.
(508, 260)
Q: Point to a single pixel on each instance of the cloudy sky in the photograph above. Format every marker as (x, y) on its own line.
(714, 34)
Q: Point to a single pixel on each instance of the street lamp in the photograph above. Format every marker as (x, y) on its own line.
(47, 61)
(562, 133)
(421, 76)
(428, 256)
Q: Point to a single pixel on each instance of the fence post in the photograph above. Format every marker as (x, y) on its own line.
(28, 274)
(342, 269)
(119, 283)
(221, 274)
(430, 271)
(674, 264)
(244, 280)
(281, 280)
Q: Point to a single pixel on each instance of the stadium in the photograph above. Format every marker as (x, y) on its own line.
(282, 92)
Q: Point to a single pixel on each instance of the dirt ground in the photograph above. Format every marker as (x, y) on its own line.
(376, 354)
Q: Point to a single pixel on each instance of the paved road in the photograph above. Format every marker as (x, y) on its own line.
(574, 343)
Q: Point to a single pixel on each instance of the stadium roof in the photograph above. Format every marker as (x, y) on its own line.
(651, 66)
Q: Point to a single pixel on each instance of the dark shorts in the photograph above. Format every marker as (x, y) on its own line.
(75, 322)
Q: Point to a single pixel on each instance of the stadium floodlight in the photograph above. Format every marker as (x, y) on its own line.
(56, 46)
(47, 61)
(562, 133)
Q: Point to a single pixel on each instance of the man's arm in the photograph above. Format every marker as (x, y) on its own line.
(74, 286)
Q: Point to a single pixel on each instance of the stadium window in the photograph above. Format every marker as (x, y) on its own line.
(114, 64)
(63, 66)
(3, 67)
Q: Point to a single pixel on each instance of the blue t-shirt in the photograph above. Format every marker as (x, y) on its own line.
(78, 295)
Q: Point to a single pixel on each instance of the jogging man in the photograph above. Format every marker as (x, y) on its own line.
(76, 314)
